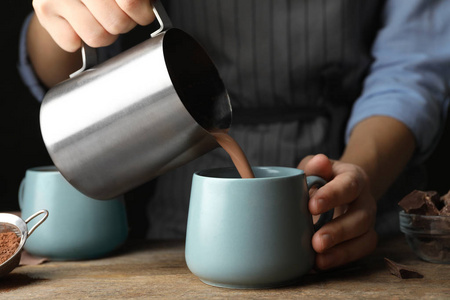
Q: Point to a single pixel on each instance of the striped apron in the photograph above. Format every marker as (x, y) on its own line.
(293, 69)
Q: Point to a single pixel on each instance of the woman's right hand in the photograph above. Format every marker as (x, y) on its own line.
(95, 22)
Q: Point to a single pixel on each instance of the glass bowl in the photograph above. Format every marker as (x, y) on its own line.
(428, 236)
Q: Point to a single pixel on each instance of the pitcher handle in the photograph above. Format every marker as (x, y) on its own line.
(89, 57)
(89, 54)
(162, 17)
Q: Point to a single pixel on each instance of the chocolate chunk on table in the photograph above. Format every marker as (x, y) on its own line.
(401, 271)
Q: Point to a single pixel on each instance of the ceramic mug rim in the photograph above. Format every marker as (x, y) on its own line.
(47, 169)
(231, 173)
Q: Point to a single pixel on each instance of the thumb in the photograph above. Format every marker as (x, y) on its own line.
(319, 165)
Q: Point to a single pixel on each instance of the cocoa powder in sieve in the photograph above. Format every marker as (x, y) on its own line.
(9, 242)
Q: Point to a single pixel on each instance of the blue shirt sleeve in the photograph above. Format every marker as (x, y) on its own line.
(24, 67)
(409, 79)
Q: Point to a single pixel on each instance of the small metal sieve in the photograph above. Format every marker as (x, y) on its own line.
(13, 223)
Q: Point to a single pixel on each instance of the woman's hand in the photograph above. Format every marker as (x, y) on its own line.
(96, 22)
(350, 235)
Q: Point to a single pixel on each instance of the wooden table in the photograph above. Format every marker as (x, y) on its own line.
(145, 270)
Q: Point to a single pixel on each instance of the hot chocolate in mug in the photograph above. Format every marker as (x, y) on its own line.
(251, 232)
(77, 227)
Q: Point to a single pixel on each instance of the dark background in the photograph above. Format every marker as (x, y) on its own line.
(20, 139)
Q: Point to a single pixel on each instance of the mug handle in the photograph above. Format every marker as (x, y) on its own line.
(325, 217)
(89, 54)
(20, 195)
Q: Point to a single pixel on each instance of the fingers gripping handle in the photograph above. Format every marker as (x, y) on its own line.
(89, 54)
(325, 217)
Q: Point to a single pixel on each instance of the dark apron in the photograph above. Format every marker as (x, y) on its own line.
(293, 69)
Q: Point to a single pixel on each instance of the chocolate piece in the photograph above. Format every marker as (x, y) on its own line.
(435, 199)
(445, 200)
(445, 211)
(421, 203)
(401, 271)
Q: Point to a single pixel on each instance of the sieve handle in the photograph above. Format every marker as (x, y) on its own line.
(43, 211)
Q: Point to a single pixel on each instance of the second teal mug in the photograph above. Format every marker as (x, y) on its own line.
(251, 233)
(78, 227)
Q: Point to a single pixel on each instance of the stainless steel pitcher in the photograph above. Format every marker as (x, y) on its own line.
(114, 126)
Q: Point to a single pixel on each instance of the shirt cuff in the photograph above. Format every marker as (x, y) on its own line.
(427, 128)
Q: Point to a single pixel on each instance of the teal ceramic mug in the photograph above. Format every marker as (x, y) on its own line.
(78, 227)
(251, 233)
